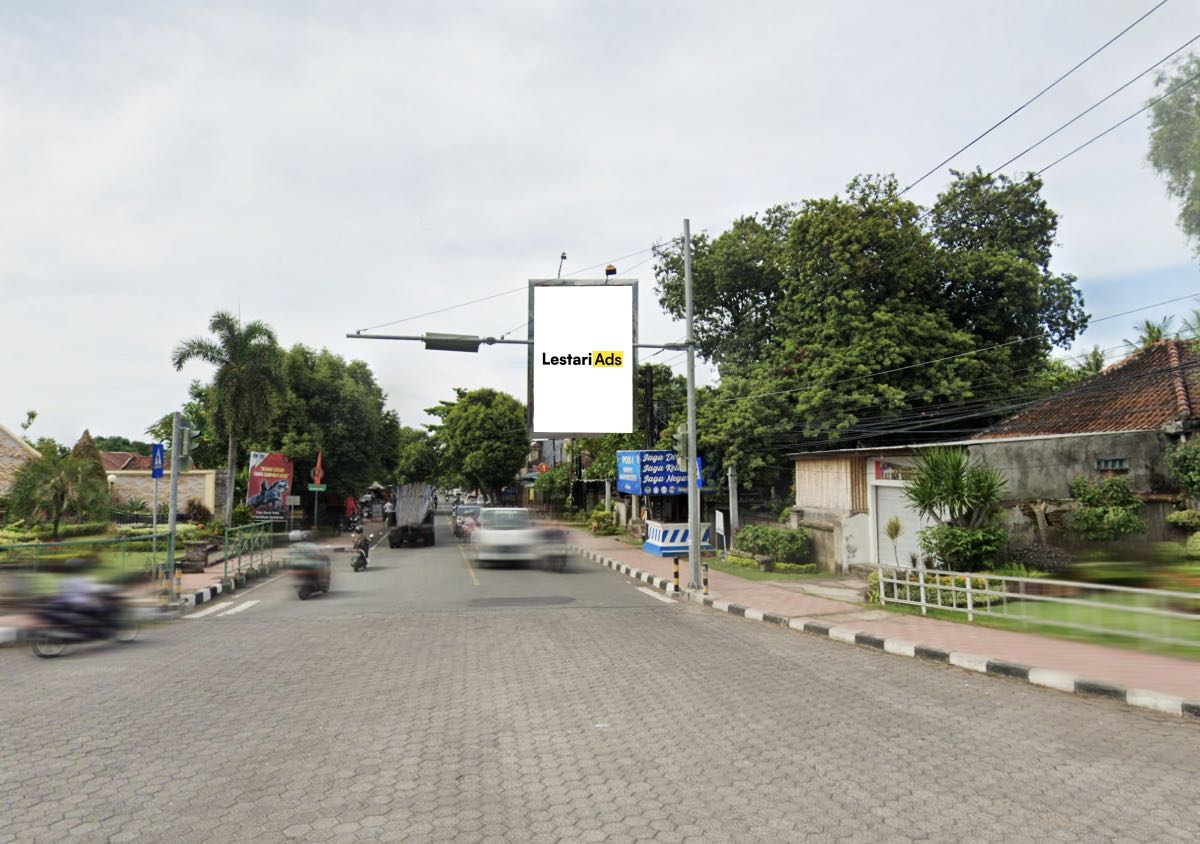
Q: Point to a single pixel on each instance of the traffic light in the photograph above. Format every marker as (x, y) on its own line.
(681, 445)
(189, 441)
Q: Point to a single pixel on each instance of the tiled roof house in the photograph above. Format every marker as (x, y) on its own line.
(1155, 389)
(14, 453)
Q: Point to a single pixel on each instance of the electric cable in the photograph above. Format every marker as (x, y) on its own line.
(1031, 100)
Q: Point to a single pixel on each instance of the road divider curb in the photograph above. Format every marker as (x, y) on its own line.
(1046, 678)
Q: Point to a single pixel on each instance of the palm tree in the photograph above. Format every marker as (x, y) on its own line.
(1093, 364)
(247, 383)
(1151, 332)
(56, 485)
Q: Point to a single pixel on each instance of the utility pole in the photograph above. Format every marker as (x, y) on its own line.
(733, 504)
(648, 410)
(694, 576)
(172, 513)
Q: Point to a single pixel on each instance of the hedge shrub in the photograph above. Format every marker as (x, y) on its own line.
(963, 548)
(784, 545)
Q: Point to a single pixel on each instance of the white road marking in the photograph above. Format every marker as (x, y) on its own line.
(209, 611)
(655, 595)
(243, 606)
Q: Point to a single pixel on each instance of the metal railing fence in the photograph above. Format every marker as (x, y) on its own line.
(252, 544)
(29, 568)
(1153, 615)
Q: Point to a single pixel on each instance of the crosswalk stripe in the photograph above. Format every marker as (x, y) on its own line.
(243, 606)
(214, 608)
(655, 595)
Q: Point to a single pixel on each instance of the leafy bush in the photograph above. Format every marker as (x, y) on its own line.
(1107, 510)
(963, 548)
(196, 512)
(785, 545)
(603, 522)
(1039, 557)
(1014, 569)
(18, 533)
(1115, 574)
(1187, 519)
(1184, 465)
(1193, 546)
(741, 560)
(241, 515)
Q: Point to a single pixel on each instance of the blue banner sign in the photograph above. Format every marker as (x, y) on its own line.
(652, 473)
(157, 459)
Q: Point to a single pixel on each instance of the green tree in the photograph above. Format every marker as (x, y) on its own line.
(118, 443)
(962, 496)
(85, 449)
(198, 414)
(481, 437)
(417, 457)
(335, 407)
(58, 486)
(1175, 141)
(246, 386)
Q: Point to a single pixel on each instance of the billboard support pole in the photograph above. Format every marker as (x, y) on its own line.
(694, 575)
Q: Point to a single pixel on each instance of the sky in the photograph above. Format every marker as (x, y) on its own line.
(332, 166)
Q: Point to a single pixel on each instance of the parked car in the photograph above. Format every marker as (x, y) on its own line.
(505, 535)
(462, 513)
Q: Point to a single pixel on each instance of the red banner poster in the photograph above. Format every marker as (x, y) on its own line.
(269, 486)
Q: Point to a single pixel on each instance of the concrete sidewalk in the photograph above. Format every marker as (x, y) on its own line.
(1139, 678)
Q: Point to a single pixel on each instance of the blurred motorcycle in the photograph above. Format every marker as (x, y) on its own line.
(362, 549)
(312, 569)
(82, 612)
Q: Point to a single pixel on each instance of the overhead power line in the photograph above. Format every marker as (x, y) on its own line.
(1096, 104)
(1120, 123)
(1030, 101)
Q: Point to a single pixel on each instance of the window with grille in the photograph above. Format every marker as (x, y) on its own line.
(1112, 464)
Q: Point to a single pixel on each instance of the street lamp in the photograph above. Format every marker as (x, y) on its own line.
(112, 479)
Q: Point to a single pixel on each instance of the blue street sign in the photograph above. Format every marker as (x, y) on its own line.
(653, 473)
(158, 457)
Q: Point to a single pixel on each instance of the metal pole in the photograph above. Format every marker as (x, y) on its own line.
(154, 536)
(172, 513)
(733, 506)
(694, 577)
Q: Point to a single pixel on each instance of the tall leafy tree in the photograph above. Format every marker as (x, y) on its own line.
(417, 457)
(1175, 141)
(868, 309)
(1150, 332)
(85, 449)
(481, 437)
(246, 386)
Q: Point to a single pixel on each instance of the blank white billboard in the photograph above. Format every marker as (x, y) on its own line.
(581, 361)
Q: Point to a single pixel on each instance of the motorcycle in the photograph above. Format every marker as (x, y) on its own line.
(61, 622)
(362, 549)
(312, 569)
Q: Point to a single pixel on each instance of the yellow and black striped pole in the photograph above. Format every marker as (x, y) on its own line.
(178, 582)
(705, 577)
(676, 574)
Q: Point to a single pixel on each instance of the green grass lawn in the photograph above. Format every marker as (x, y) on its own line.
(1113, 620)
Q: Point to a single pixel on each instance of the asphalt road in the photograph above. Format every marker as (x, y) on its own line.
(426, 700)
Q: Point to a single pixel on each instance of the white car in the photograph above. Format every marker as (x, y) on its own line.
(505, 535)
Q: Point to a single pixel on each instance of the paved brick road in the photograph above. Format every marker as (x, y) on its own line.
(413, 705)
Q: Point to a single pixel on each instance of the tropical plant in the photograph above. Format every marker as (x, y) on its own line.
(1151, 332)
(481, 438)
(962, 495)
(246, 385)
(58, 486)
